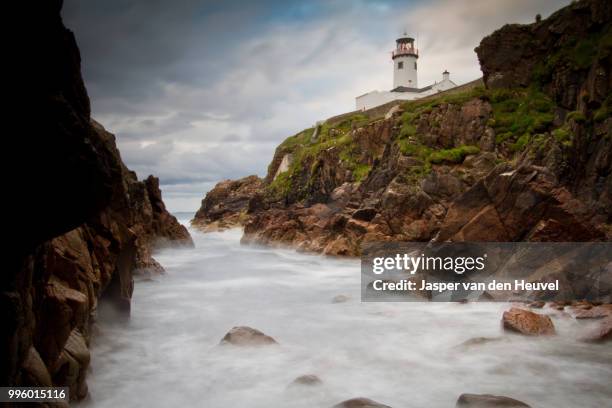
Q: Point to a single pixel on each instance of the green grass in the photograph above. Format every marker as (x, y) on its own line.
(563, 135)
(604, 111)
(575, 116)
(518, 114)
(455, 155)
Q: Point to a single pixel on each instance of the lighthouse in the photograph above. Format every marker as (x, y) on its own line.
(405, 58)
(405, 85)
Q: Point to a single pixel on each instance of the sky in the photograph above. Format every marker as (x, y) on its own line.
(201, 91)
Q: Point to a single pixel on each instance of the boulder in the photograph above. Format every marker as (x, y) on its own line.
(488, 401)
(360, 403)
(526, 322)
(246, 336)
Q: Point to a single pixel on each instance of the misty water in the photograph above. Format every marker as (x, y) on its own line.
(400, 354)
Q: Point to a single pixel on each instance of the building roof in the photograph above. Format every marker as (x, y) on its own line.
(409, 89)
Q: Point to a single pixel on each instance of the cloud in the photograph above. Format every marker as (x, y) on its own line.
(197, 92)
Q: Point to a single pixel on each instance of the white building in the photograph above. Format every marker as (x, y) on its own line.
(405, 85)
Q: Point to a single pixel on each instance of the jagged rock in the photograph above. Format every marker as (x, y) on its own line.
(360, 403)
(488, 401)
(526, 322)
(307, 380)
(227, 204)
(246, 336)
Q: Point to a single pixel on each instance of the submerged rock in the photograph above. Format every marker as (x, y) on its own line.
(526, 322)
(307, 379)
(360, 403)
(478, 341)
(601, 333)
(246, 336)
(488, 401)
(340, 299)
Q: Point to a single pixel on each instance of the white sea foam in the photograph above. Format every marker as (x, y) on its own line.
(400, 354)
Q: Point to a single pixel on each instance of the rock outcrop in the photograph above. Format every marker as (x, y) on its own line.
(85, 223)
(227, 205)
(526, 157)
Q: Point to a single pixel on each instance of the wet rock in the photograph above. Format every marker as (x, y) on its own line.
(246, 336)
(597, 312)
(488, 401)
(340, 299)
(479, 341)
(526, 322)
(307, 380)
(360, 403)
(601, 333)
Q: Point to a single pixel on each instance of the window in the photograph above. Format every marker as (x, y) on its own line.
(400, 65)
(415, 65)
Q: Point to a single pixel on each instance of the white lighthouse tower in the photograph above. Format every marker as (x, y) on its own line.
(405, 58)
(405, 85)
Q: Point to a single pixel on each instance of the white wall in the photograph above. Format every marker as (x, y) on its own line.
(377, 98)
(407, 76)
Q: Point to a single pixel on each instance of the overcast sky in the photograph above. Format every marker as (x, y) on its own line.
(201, 91)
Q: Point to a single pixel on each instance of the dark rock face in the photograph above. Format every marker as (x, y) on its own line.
(85, 221)
(517, 54)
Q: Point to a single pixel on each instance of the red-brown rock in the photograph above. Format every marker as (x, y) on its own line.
(526, 322)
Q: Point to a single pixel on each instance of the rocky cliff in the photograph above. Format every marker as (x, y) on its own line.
(84, 221)
(526, 156)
